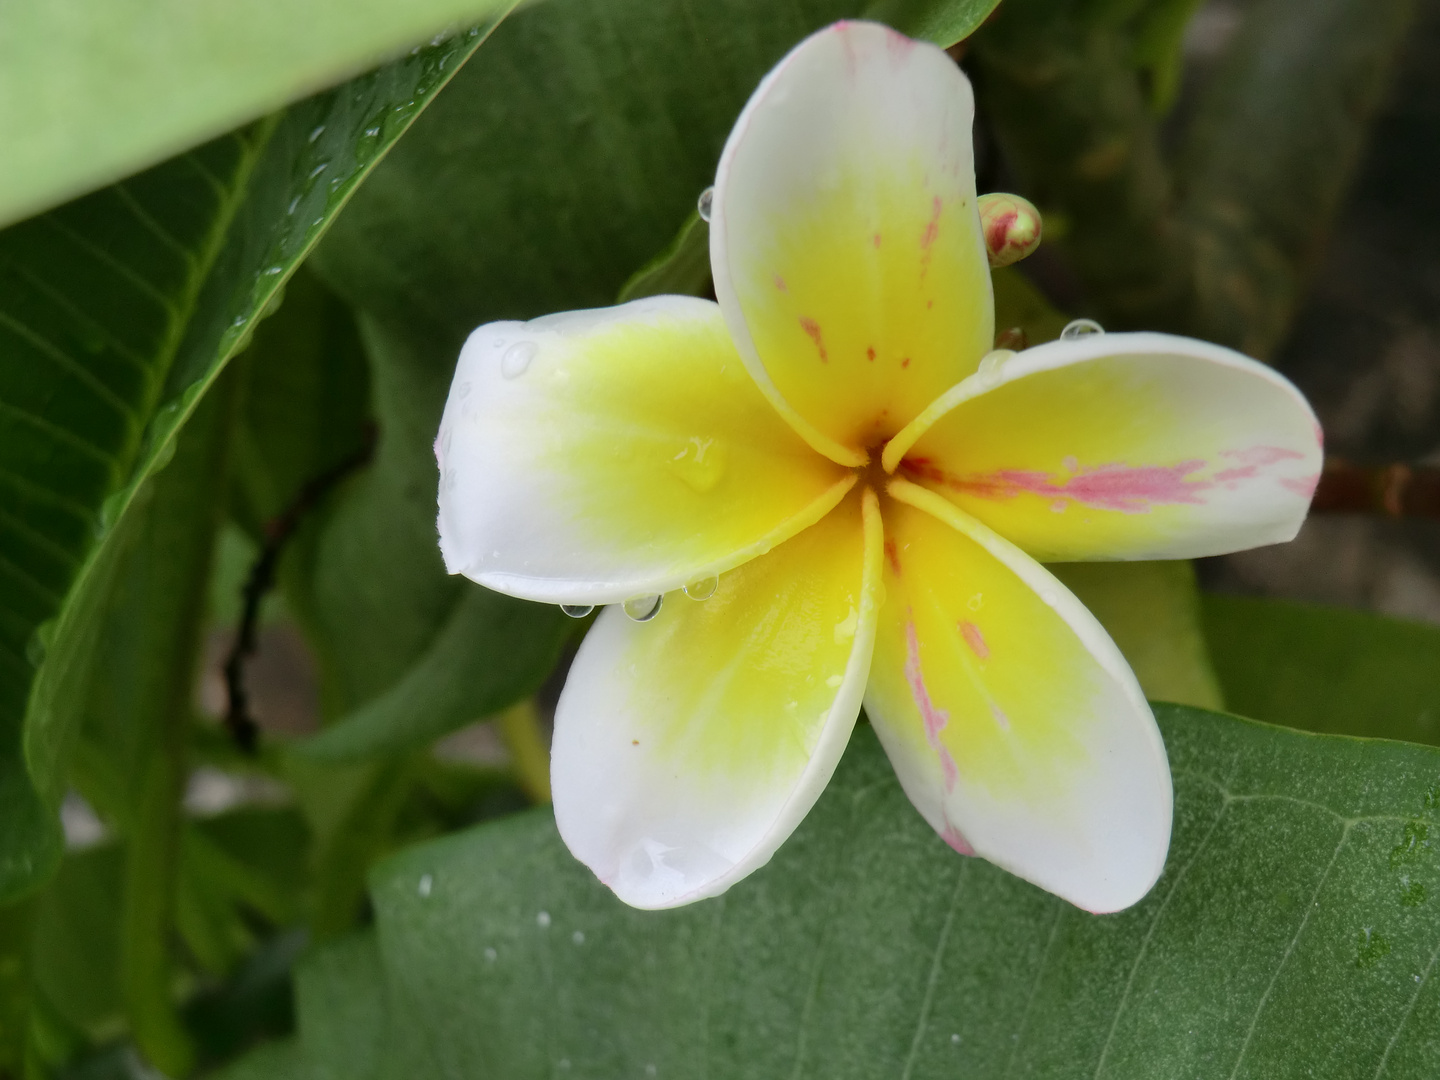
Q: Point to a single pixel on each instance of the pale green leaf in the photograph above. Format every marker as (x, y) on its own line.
(91, 91)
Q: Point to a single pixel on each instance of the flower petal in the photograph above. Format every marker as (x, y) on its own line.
(845, 240)
(593, 456)
(689, 747)
(1012, 720)
(1122, 446)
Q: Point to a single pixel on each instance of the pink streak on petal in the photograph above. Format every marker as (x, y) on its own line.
(933, 718)
(1245, 472)
(1128, 489)
(1304, 486)
(956, 839)
(812, 328)
(932, 229)
(1000, 717)
(927, 239)
(1262, 456)
(976, 640)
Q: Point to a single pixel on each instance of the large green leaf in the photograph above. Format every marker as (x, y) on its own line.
(91, 91)
(1326, 669)
(116, 313)
(492, 651)
(1292, 934)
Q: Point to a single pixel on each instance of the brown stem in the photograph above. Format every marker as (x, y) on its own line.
(1396, 490)
(278, 530)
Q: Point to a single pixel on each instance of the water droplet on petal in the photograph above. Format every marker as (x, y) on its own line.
(517, 358)
(702, 589)
(700, 462)
(991, 363)
(577, 611)
(643, 608)
(1078, 328)
(707, 200)
(463, 390)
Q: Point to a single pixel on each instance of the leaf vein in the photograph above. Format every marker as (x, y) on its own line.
(164, 235)
(1060, 907)
(1409, 1011)
(127, 272)
(1150, 934)
(60, 434)
(60, 358)
(71, 308)
(936, 963)
(1289, 950)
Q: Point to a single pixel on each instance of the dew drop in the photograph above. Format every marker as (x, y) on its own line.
(317, 132)
(426, 884)
(955, 1039)
(699, 462)
(643, 608)
(577, 611)
(490, 954)
(517, 358)
(702, 589)
(992, 360)
(463, 390)
(542, 920)
(706, 201)
(578, 937)
(1078, 328)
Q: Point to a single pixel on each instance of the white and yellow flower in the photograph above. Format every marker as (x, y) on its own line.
(873, 499)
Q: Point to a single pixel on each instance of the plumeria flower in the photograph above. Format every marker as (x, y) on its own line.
(821, 491)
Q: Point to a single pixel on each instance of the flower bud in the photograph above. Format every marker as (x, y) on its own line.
(1011, 226)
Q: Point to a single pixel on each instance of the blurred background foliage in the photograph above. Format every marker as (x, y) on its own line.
(239, 695)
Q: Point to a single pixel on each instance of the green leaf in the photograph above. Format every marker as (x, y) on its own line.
(1327, 669)
(682, 269)
(1304, 80)
(492, 651)
(116, 313)
(551, 202)
(307, 401)
(1292, 934)
(942, 21)
(341, 1005)
(90, 92)
(1152, 611)
(76, 942)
